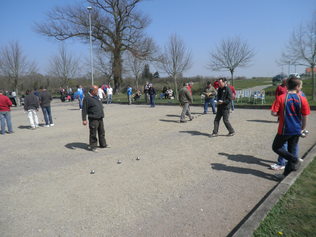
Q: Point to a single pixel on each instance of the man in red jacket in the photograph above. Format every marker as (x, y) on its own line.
(5, 115)
(281, 89)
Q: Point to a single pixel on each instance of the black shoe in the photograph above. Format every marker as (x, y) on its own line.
(191, 118)
(106, 146)
(297, 165)
(92, 148)
(231, 134)
(183, 121)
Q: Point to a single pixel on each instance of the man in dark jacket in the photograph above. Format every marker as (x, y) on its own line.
(185, 98)
(31, 105)
(224, 98)
(45, 99)
(152, 95)
(92, 106)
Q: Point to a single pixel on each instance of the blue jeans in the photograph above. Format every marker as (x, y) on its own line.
(207, 102)
(281, 160)
(233, 106)
(80, 103)
(47, 115)
(5, 117)
(109, 100)
(152, 100)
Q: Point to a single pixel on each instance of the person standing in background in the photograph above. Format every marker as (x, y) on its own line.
(31, 105)
(5, 114)
(45, 100)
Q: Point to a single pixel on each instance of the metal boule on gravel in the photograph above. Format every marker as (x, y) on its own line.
(119, 162)
(137, 158)
(92, 172)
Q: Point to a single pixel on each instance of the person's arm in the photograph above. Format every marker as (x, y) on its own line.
(228, 97)
(275, 108)
(304, 122)
(84, 111)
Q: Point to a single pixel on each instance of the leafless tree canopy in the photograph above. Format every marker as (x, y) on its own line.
(176, 59)
(230, 54)
(14, 64)
(116, 27)
(301, 48)
(64, 66)
(135, 66)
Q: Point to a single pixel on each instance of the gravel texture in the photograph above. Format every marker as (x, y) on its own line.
(184, 183)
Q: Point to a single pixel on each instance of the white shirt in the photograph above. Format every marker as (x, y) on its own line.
(109, 91)
(100, 93)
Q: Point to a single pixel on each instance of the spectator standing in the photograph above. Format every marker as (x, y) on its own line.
(216, 84)
(31, 105)
(129, 94)
(146, 88)
(13, 94)
(185, 98)
(109, 92)
(45, 100)
(101, 94)
(232, 88)
(93, 108)
(292, 110)
(209, 93)
(152, 95)
(79, 94)
(281, 89)
(224, 96)
(5, 114)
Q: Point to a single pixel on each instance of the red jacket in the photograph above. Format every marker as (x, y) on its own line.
(189, 87)
(5, 103)
(280, 90)
(232, 88)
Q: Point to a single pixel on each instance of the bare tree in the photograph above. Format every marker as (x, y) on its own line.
(301, 49)
(14, 64)
(64, 66)
(176, 59)
(230, 54)
(103, 63)
(135, 66)
(116, 27)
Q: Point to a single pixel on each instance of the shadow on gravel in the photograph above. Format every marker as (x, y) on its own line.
(73, 109)
(196, 133)
(24, 127)
(75, 145)
(262, 121)
(173, 115)
(197, 113)
(246, 159)
(240, 170)
(168, 121)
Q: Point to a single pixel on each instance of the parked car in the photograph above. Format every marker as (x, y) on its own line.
(295, 74)
(278, 79)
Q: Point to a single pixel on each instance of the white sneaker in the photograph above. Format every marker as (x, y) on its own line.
(52, 125)
(300, 159)
(46, 126)
(277, 167)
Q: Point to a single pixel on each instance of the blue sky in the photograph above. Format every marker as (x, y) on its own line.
(265, 24)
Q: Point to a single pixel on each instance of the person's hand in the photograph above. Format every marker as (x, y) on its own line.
(84, 122)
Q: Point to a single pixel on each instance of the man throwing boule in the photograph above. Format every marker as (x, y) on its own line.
(92, 106)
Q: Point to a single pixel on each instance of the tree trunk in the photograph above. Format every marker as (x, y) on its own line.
(313, 83)
(232, 76)
(117, 70)
(136, 82)
(175, 87)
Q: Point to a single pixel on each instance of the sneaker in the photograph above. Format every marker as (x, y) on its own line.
(277, 167)
(300, 159)
(52, 125)
(214, 135)
(92, 148)
(297, 165)
(191, 118)
(231, 134)
(279, 176)
(183, 121)
(46, 126)
(106, 146)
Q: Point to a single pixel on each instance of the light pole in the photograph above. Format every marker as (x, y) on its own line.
(90, 33)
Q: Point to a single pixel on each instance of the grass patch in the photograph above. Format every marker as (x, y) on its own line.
(295, 213)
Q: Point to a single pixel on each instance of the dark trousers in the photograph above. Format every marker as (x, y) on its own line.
(222, 112)
(288, 154)
(152, 100)
(47, 115)
(96, 126)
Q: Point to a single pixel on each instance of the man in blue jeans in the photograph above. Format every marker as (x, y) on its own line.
(209, 93)
(45, 99)
(5, 114)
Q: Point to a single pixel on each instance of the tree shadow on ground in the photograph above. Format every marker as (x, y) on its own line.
(168, 121)
(196, 133)
(246, 159)
(261, 121)
(73, 109)
(240, 170)
(197, 113)
(75, 145)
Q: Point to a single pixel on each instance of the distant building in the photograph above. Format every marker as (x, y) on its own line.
(308, 71)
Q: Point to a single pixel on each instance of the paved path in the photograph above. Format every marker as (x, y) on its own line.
(185, 183)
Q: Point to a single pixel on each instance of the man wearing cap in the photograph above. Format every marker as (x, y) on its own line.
(92, 106)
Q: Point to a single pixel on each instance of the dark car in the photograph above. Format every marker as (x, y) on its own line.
(278, 78)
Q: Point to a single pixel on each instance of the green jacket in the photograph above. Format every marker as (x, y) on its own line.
(185, 96)
(209, 92)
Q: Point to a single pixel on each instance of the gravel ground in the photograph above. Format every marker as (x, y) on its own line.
(185, 183)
